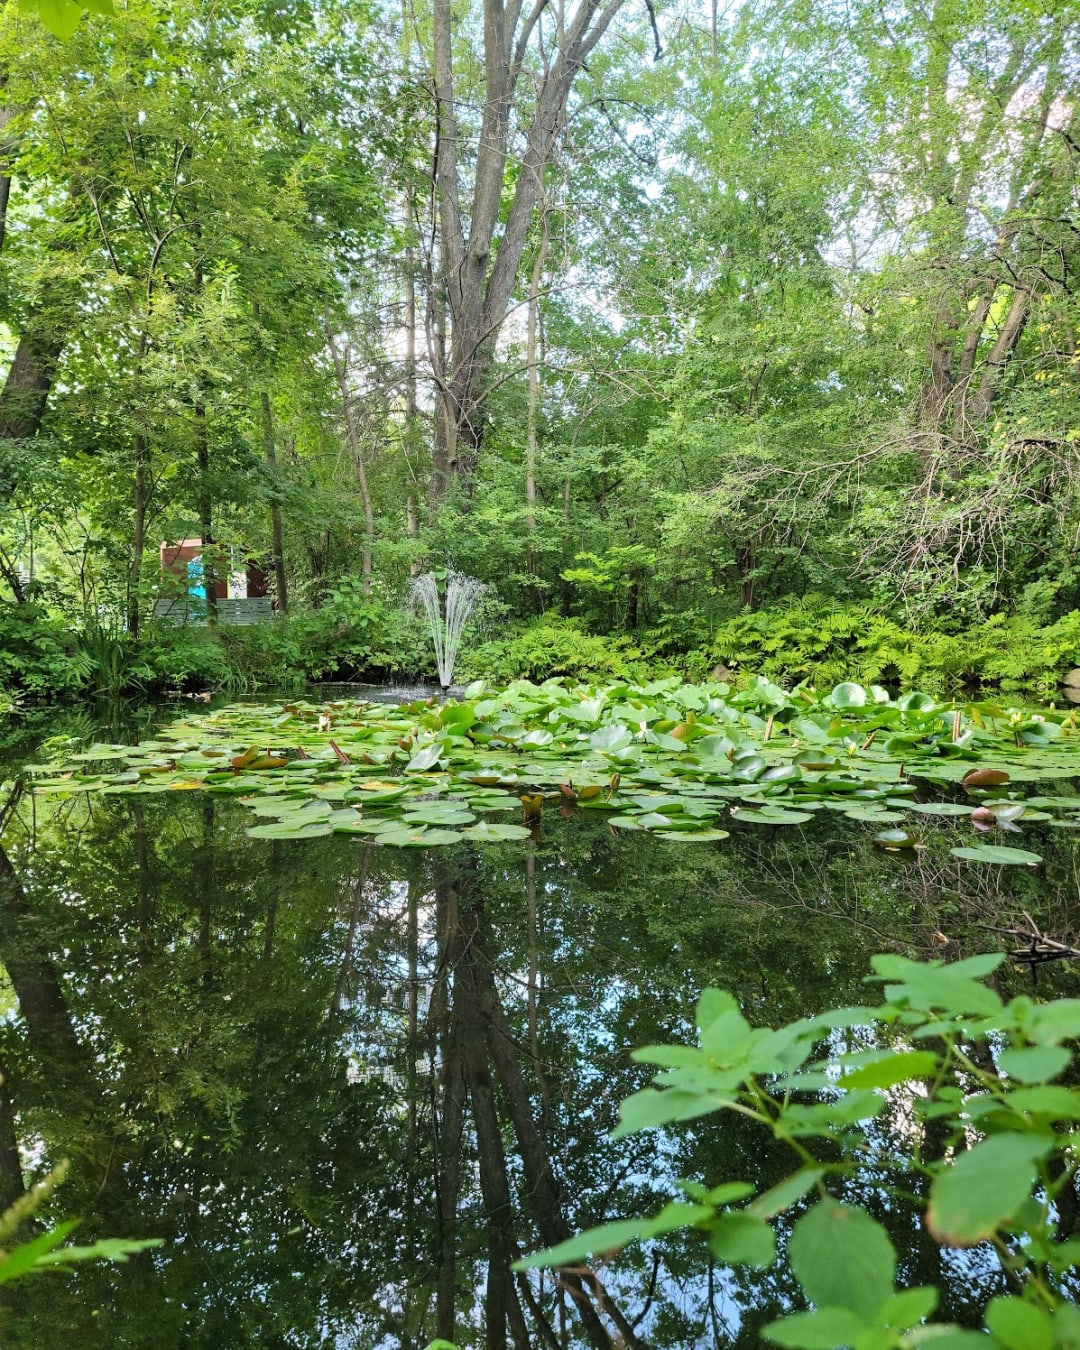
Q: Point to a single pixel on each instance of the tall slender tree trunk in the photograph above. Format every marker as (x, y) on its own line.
(356, 446)
(450, 1123)
(412, 420)
(532, 361)
(276, 532)
(206, 512)
(138, 532)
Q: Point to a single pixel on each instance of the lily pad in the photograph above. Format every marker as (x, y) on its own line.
(772, 816)
(490, 831)
(998, 854)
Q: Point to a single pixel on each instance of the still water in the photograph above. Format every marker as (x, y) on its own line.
(348, 1086)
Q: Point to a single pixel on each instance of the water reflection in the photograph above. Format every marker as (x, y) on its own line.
(350, 1085)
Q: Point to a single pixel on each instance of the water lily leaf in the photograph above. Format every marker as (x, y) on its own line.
(895, 839)
(772, 816)
(693, 836)
(491, 831)
(999, 854)
(420, 838)
(426, 759)
(287, 830)
(932, 808)
(873, 815)
(984, 778)
(435, 813)
(849, 695)
(916, 702)
(611, 738)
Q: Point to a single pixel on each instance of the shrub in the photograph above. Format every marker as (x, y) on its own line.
(39, 655)
(553, 646)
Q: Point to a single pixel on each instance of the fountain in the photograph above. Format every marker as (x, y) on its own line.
(446, 625)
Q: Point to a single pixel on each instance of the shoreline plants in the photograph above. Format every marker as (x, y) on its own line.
(941, 1096)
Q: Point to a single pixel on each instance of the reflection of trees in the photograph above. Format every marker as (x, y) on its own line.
(481, 1066)
(350, 1085)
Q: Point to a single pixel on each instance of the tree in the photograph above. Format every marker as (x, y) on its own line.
(486, 202)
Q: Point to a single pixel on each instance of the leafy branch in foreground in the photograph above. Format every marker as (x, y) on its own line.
(949, 1061)
(44, 1251)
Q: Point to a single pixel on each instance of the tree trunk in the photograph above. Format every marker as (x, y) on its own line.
(478, 272)
(533, 410)
(449, 1128)
(138, 535)
(29, 383)
(206, 513)
(277, 534)
(356, 445)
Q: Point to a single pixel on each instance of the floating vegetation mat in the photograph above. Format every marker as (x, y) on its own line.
(682, 761)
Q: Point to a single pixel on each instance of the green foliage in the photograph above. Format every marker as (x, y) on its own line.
(816, 638)
(39, 655)
(832, 1107)
(553, 647)
(61, 17)
(47, 1251)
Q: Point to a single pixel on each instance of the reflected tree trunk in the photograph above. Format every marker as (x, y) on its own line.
(206, 867)
(11, 1177)
(481, 1065)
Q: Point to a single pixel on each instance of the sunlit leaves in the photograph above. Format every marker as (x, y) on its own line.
(984, 1188)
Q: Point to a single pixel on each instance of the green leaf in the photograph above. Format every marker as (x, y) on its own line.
(785, 1193)
(713, 1004)
(895, 839)
(740, 1238)
(935, 985)
(693, 836)
(849, 695)
(106, 1249)
(984, 1188)
(286, 830)
(727, 1039)
(882, 1070)
(771, 815)
(843, 1258)
(611, 738)
(908, 1307)
(490, 832)
(824, 1329)
(650, 1107)
(27, 1255)
(941, 1336)
(1019, 1325)
(611, 1236)
(60, 17)
(1034, 1064)
(425, 759)
(401, 837)
(998, 854)
(436, 813)
(1060, 1103)
(1049, 1023)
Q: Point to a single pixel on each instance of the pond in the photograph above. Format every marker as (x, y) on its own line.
(350, 1084)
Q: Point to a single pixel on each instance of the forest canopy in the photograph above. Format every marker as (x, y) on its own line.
(740, 336)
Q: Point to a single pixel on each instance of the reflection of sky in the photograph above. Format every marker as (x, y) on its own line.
(625, 938)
